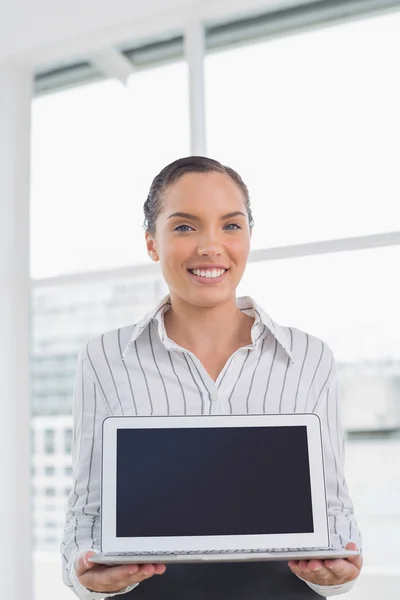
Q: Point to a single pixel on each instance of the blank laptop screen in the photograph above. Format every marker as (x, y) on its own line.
(213, 481)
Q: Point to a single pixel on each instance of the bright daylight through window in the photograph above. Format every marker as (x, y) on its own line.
(311, 122)
(95, 150)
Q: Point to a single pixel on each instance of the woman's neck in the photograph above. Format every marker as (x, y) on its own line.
(207, 329)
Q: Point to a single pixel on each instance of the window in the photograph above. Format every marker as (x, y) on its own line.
(49, 441)
(105, 142)
(311, 123)
(50, 491)
(67, 441)
(351, 300)
(68, 471)
(49, 470)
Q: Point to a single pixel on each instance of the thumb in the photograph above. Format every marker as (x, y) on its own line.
(351, 546)
(82, 563)
(356, 560)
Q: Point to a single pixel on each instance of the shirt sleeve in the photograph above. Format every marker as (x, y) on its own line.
(82, 528)
(342, 523)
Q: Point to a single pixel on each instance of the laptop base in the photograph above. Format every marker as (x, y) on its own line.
(275, 555)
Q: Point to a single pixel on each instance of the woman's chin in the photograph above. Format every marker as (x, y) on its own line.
(209, 297)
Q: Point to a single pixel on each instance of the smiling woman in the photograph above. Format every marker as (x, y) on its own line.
(199, 227)
(203, 351)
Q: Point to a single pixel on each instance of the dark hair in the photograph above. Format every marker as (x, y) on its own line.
(174, 171)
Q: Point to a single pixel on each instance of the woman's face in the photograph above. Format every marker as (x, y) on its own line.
(202, 238)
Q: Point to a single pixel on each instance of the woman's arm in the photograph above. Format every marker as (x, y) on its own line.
(82, 530)
(340, 576)
(342, 523)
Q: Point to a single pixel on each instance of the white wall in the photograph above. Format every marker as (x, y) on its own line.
(44, 31)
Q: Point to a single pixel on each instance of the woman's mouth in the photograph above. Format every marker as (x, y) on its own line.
(208, 276)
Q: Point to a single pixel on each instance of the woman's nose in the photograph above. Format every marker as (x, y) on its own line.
(210, 247)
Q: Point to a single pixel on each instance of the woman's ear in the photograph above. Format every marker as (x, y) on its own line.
(151, 247)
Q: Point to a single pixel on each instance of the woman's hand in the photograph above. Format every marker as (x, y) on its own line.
(103, 579)
(329, 572)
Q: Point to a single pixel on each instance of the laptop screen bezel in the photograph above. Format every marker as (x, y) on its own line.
(111, 543)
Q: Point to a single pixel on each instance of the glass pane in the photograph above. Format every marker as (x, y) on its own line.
(351, 301)
(311, 122)
(95, 151)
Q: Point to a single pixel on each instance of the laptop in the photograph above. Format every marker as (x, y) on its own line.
(179, 489)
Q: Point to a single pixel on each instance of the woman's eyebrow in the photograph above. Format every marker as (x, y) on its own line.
(185, 215)
(237, 213)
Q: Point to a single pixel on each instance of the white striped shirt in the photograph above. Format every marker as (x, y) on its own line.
(138, 370)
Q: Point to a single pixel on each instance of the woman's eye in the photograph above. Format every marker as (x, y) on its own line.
(183, 228)
(234, 225)
(186, 228)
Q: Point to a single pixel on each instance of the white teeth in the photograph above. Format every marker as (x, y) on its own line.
(208, 274)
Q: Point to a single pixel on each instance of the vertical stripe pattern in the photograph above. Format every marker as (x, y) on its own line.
(137, 370)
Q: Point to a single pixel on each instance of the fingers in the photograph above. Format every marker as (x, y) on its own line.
(112, 579)
(327, 572)
(159, 569)
(313, 571)
(338, 567)
(118, 578)
(304, 566)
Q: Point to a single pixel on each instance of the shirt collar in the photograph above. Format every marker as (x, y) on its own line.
(246, 304)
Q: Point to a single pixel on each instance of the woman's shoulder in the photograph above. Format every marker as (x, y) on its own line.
(107, 345)
(308, 346)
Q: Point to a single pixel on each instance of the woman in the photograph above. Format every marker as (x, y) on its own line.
(203, 351)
